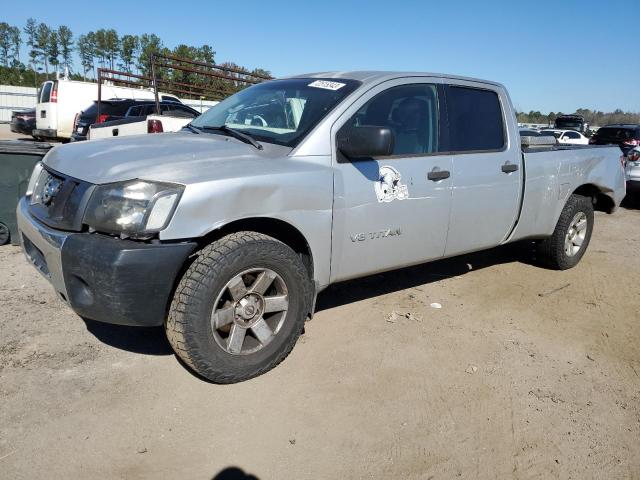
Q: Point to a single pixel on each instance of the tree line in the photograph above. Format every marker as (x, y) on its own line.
(51, 49)
(593, 118)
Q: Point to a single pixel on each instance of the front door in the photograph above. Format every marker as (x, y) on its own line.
(392, 211)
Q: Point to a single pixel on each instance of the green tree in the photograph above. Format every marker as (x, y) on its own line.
(261, 72)
(100, 42)
(149, 43)
(42, 42)
(86, 48)
(206, 54)
(65, 39)
(5, 42)
(129, 48)
(31, 31)
(112, 46)
(53, 50)
(16, 42)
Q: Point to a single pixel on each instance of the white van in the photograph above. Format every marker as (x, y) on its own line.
(60, 100)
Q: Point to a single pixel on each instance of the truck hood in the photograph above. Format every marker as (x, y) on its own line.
(170, 157)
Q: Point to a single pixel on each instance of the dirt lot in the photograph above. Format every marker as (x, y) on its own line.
(7, 134)
(523, 373)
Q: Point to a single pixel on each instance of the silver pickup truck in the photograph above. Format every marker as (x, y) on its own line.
(226, 231)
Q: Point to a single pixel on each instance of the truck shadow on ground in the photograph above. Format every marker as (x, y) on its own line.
(152, 340)
(144, 340)
(234, 473)
(631, 201)
(423, 274)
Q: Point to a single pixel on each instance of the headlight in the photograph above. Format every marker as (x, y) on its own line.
(132, 209)
(35, 175)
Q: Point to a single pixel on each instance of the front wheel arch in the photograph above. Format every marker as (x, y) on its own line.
(272, 227)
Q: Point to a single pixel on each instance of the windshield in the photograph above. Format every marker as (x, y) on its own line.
(278, 111)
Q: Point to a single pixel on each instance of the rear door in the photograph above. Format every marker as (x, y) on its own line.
(388, 213)
(487, 173)
(46, 109)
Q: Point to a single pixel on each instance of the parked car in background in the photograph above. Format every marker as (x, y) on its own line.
(23, 121)
(60, 100)
(626, 136)
(143, 118)
(225, 232)
(527, 132)
(633, 169)
(115, 109)
(566, 137)
(111, 109)
(571, 122)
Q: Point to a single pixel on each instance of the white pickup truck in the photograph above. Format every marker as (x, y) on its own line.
(140, 119)
(226, 231)
(59, 101)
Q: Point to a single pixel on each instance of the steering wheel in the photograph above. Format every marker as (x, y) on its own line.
(258, 121)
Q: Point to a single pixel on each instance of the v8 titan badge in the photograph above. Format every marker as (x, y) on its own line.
(388, 187)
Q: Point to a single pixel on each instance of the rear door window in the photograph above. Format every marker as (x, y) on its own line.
(475, 119)
(117, 109)
(46, 92)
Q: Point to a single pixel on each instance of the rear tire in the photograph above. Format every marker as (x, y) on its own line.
(5, 235)
(240, 307)
(570, 239)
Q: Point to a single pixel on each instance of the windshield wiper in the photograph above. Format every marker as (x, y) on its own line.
(236, 134)
(192, 128)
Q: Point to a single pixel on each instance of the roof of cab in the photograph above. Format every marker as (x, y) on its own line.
(376, 76)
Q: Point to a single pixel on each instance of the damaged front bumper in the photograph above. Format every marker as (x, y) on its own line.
(104, 278)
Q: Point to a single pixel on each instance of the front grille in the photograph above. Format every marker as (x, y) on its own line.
(59, 201)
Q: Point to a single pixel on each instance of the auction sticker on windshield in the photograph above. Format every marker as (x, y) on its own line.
(327, 85)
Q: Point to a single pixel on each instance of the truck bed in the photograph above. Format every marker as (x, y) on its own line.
(553, 172)
(136, 125)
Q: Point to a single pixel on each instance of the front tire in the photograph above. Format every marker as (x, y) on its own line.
(570, 239)
(240, 307)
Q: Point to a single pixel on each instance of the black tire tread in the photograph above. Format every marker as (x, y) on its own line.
(210, 259)
(551, 250)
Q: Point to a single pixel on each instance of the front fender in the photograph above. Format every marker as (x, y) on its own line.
(301, 197)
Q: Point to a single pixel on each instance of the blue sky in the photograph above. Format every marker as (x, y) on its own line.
(552, 55)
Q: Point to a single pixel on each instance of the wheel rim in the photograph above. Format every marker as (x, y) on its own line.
(576, 234)
(249, 311)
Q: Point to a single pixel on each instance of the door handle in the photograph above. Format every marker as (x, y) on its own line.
(436, 175)
(509, 167)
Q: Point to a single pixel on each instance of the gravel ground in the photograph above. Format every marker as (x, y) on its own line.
(7, 134)
(523, 373)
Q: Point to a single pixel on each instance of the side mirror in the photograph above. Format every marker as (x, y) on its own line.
(365, 142)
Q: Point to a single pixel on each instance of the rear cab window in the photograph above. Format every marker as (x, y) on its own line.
(476, 121)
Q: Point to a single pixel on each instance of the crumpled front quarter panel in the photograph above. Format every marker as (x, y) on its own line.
(297, 190)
